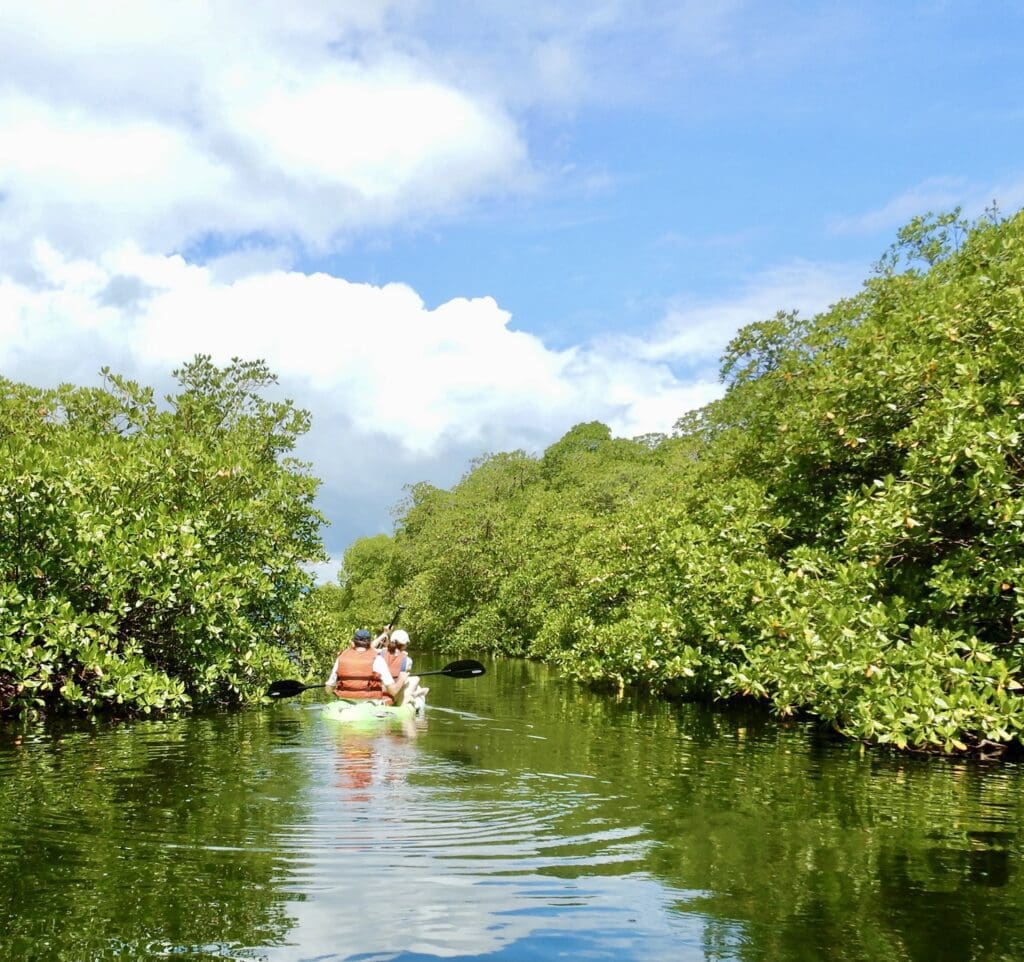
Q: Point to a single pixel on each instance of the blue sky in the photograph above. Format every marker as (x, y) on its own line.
(463, 227)
(661, 193)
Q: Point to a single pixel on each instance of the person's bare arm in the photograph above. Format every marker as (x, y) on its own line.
(393, 690)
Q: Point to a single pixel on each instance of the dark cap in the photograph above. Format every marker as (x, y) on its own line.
(362, 635)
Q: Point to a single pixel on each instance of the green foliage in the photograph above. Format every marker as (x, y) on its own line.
(318, 630)
(841, 534)
(760, 348)
(150, 555)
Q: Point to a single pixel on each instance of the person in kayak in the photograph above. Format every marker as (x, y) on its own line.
(361, 671)
(399, 660)
(393, 653)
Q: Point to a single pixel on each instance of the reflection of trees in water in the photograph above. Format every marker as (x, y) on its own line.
(816, 850)
(148, 836)
(781, 844)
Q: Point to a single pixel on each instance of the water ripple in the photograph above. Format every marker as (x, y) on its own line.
(519, 822)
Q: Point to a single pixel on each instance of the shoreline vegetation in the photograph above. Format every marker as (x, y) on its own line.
(841, 535)
(150, 554)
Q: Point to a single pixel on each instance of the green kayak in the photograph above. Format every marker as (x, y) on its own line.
(366, 710)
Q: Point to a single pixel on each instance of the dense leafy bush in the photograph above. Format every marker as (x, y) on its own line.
(842, 533)
(150, 555)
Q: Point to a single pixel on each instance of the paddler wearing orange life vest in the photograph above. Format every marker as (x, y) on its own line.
(361, 671)
(399, 660)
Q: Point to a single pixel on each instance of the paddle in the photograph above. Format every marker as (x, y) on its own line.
(288, 687)
(467, 668)
(457, 669)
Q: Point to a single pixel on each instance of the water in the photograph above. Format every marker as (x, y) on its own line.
(521, 819)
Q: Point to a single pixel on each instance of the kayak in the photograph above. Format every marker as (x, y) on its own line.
(367, 710)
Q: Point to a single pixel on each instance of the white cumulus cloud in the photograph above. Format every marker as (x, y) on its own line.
(399, 391)
(392, 366)
(166, 124)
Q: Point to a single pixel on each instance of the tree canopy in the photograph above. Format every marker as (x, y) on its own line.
(150, 554)
(841, 534)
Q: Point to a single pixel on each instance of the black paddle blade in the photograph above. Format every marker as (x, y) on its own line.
(285, 689)
(467, 668)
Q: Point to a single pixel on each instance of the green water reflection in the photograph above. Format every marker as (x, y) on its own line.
(523, 818)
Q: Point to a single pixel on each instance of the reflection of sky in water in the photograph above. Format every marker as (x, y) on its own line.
(408, 858)
(623, 918)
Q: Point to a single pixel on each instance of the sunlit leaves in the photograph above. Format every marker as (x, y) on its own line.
(841, 534)
(150, 554)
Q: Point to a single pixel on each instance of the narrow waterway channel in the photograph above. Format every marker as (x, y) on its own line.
(521, 819)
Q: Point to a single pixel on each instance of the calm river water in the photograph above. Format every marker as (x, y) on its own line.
(521, 819)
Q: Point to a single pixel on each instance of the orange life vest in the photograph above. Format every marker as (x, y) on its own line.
(356, 677)
(396, 662)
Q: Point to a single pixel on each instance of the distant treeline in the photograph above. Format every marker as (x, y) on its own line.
(841, 534)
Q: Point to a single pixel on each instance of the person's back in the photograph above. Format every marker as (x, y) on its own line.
(356, 677)
(360, 671)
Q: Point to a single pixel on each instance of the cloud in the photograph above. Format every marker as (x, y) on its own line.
(398, 391)
(695, 333)
(422, 377)
(934, 194)
(196, 127)
(229, 120)
(609, 53)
